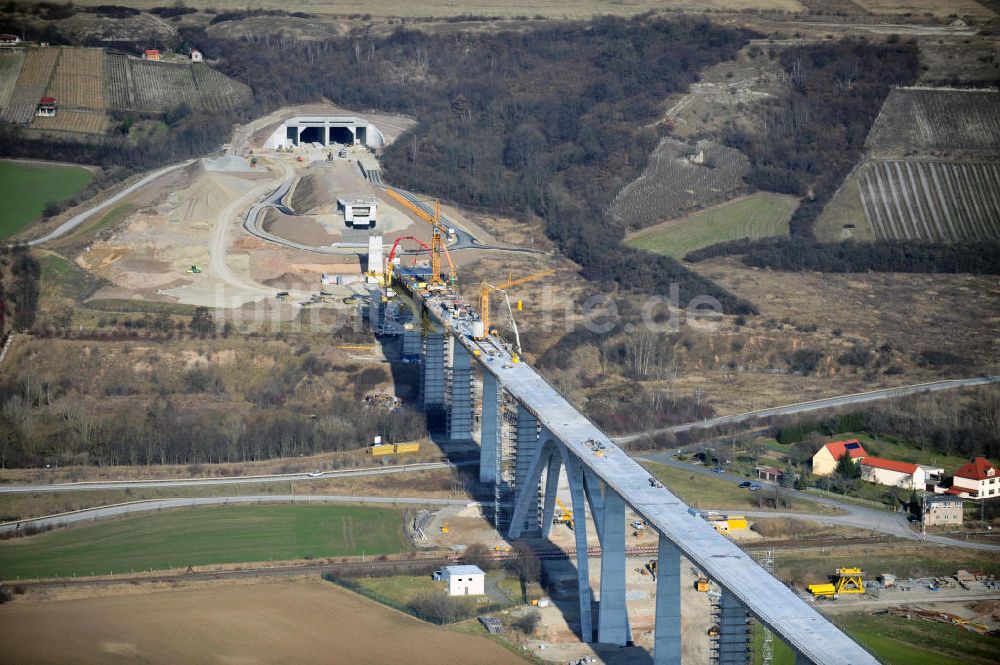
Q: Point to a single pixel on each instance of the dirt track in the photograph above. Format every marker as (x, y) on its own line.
(301, 621)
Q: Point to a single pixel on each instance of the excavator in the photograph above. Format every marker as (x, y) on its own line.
(486, 289)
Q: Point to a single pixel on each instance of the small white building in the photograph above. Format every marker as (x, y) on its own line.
(196, 55)
(898, 474)
(359, 213)
(463, 580)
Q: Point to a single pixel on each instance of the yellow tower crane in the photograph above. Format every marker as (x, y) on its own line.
(439, 232)
(486, 289)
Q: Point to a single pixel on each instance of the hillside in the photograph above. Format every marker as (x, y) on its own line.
(929, 172)
(90, 83)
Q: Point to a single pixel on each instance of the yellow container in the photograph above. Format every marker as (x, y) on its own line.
(822, 590)
(382, 449)
(407, 447)
(738, 522)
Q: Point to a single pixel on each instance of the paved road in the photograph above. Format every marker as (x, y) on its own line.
(202, 482)
(122, 509)
(853, 515)
(815, 405)
(76, 220)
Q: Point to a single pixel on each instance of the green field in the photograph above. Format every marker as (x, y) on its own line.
(707, 492)
(197, 537)
(756, 216)
(899, 641)
(26, 188)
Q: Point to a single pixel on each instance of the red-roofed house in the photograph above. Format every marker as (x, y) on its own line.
(151, 54)
(977, 480)
(897, 474)
(825, 459)
(46, 107)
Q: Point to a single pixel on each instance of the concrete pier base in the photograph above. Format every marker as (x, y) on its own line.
(667, 635)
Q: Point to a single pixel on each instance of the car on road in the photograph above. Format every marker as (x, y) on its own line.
(745, 485)
(718, 469)
(754, 487)
(315, 474)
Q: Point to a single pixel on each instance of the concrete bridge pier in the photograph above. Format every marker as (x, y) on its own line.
(612, 618)
(667, 633)
(527, 473)
(551, 487)
(434, 377)
(489, 433)
(732, 640)
(574, 471)
(460, 413)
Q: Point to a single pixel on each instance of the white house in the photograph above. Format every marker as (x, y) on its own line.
(463, 580)
(978, 479)
(898, 474)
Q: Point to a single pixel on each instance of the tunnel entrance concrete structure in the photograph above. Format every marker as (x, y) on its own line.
(549, 435)
(326, 130)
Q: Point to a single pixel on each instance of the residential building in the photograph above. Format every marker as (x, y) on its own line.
(9, 40)
(151, 54)
(978, 479)
(942, 511)
(196, 55)
(46, 107)
(824, 462)
(463, 580)
(897, 474)
(768, 474)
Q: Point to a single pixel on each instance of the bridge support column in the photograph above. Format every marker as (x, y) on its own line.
(551, 487)
(612, 618)
(489, 436)
(524, 455)
(667, 634)
(574, 470)
(434, 378)
(732, 631)
(460, 416)
(593, 487)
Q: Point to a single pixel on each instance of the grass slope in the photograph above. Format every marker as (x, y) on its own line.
(756, 216)
(26, 188)
(176, 539)
(898, 641)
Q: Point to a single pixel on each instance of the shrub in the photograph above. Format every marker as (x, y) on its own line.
(527, 623)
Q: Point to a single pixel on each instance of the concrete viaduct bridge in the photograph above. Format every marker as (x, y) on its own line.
(546, 433)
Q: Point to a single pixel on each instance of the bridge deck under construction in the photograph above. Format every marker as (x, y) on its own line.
(764, 596)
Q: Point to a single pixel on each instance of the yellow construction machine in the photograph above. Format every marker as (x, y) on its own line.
(847, 580)
(564, 516)
(482, 331)
(439, 233)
